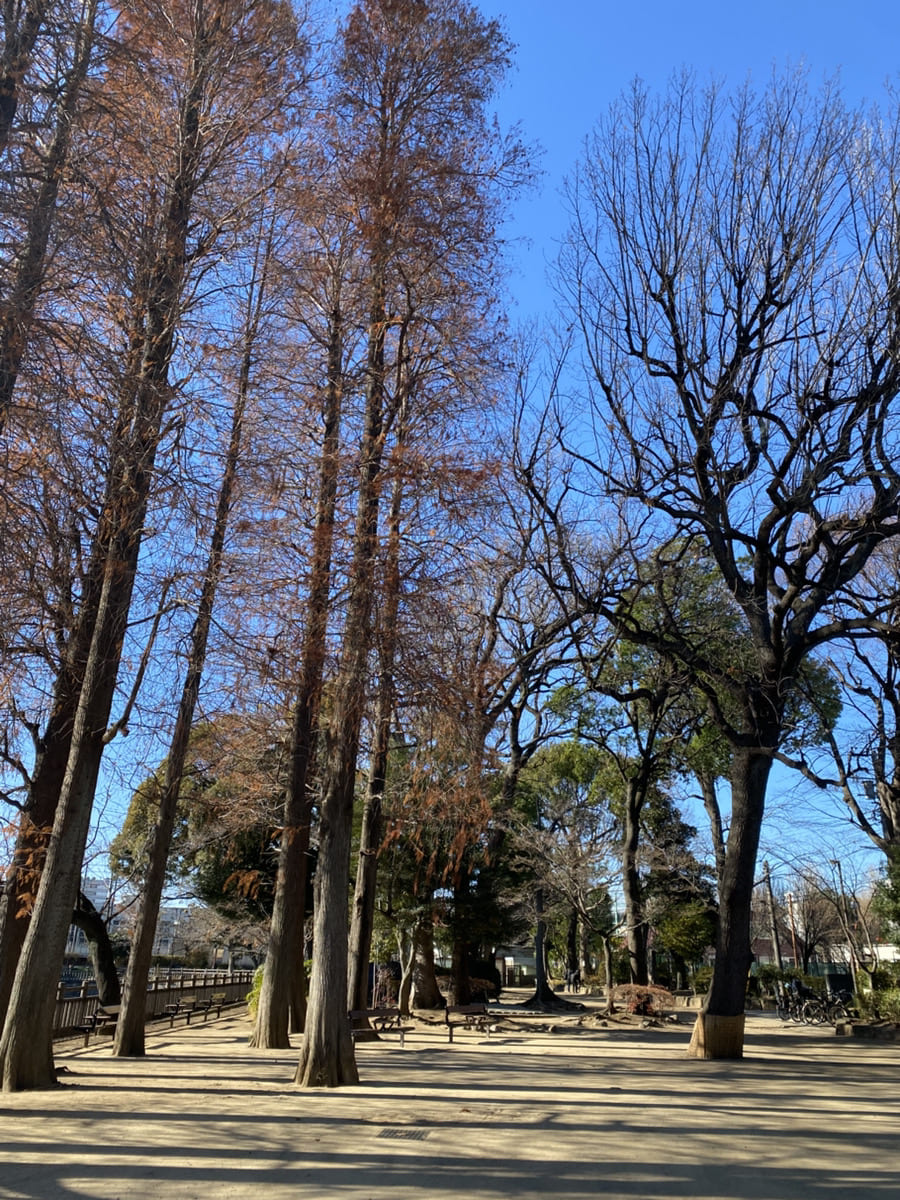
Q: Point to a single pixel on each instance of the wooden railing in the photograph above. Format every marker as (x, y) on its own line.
(75, 1004)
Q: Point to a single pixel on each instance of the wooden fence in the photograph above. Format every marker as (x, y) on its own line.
(75, 1003)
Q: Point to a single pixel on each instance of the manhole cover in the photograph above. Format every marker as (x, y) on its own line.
(411, 1135)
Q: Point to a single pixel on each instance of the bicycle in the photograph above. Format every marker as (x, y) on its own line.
(839, 1009)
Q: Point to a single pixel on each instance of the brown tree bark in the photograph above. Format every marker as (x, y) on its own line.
(103, 962)
(718, 1031)
(363, 913)
(20, 301)
(129, 1037)
(282, 1001)
(425, 990)
(326, 1058)
(26, 1058)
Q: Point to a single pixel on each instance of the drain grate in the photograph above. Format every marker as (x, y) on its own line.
(410, 1135)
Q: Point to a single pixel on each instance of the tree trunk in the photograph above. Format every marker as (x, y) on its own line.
(26, 1056)
(608, 972)
(282, 1000)
(129, 1039)
(719, 1029)
(544, 996)
(363, 918)
(635, 925)
(460, 984)
(54, 746)
(426, 993)
(711, 804)
(573, 962)
(326, 1059)
(407, 951)
(100, 949)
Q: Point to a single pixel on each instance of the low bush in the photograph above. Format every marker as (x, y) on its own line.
(252, 996)
(643, 999)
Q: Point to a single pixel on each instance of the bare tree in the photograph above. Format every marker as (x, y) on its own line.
(733, 274)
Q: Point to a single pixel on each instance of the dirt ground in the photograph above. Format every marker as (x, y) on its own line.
(543, 1107)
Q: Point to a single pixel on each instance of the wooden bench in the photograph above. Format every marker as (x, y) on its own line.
(101, 1020)
(381, 1020)
(467, 1016)
(216, 1001)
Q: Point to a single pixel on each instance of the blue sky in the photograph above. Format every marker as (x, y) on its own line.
(575, 56)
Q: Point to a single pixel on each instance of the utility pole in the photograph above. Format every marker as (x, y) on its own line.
(844, 914)
(773, 927)
(789, 896)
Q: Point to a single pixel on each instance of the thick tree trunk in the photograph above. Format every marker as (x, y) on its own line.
(363, 916)
(426, 993)
(129, 1039)
(635, 925)
(100, 950)
(54, 746)
(26, 1054)
(718, 1032)
(26, 1057)
(282, 1000)
(326, 1058)
(460, 984)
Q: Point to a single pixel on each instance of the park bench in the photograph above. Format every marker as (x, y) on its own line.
(216, 1001)
(467, 1016)
(102, 1020)
(184, 1006)
(382, 1020)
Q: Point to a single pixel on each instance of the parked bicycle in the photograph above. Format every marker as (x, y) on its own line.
(801, 1004)
(839, 1007)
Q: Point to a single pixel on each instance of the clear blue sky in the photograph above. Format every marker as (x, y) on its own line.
(575, 56)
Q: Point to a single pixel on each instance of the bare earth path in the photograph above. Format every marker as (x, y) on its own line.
(527, 1113)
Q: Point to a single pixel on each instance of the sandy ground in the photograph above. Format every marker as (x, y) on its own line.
(531, 1111)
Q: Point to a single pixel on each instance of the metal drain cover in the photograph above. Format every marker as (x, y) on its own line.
(410, 1135)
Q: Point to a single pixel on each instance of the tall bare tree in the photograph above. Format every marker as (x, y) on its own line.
(733, 273)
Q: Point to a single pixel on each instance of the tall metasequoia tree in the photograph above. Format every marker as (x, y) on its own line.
(413, 80)
(363, 911)
(282, 1000)
(30, 208)
(129, 1038)
(733, 269)
(202, 51)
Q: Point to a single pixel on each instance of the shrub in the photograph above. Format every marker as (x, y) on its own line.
(643, 999)
(701, 979)
(252, 996)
